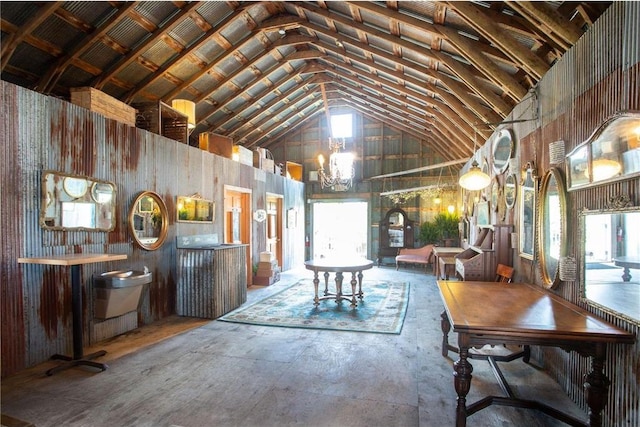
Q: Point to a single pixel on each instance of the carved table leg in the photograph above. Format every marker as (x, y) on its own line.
(596, 386)
(316, 281)
(446, 327)
(360, 294)
(626, 275)
(326, 283)
(354, 282)
(338, 286)
(462, 370)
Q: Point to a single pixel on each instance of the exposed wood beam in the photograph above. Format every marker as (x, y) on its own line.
(465, 75)
(561, 29)
(51, 77)
(475, 17)
(423, 168)
(455, 102)
(9, 46)
(391, 123)
(133, 54)
(473, 51)
(247, 120)
(248, 87)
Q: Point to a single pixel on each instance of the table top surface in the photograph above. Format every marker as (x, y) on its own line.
(522, 310)
(627, 259)
(72, 259)
(339, 264)
(445, 250)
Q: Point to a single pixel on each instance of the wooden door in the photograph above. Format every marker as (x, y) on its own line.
(237, 217)
(274, 227)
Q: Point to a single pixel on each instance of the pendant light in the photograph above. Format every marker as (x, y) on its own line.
(474, 179)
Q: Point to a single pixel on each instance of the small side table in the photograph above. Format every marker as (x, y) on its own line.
(75, 261)
(447, 267)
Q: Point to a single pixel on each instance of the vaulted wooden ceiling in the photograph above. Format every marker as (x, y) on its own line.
(258, 70)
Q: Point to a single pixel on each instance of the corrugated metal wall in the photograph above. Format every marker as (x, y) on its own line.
(38, 133)
(597, 78)
(211, 282)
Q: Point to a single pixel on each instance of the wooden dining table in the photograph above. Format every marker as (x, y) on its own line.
(524, 314)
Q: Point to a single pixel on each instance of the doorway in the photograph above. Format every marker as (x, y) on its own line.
(340, 229)
(274, 226)
(237, 221)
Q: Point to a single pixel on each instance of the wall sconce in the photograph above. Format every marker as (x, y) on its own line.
(188, 108)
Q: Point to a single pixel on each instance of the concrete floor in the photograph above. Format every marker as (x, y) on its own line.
(194, 372)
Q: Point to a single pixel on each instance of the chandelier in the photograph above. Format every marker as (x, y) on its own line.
(340, 174)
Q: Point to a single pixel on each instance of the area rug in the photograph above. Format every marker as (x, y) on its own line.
(382, 310)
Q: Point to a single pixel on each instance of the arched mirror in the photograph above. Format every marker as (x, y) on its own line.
(396, 231)
(610, 251)
(510, 190)
(148, 221)
(502, 150)
(551, 226)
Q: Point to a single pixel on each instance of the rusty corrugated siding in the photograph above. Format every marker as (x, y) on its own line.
(212, 282)
(593, 81)
(40, 132)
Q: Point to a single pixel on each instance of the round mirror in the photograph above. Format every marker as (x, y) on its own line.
(551, 226)
(148, 221)
(510, 190)
(502, 150)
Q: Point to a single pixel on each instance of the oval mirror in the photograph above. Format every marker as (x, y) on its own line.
(148, 220)
(510, 190)
(551, 226)
(502, 150)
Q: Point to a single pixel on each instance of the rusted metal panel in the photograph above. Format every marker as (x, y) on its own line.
(40, 132)
(212, 282)
(594, 80)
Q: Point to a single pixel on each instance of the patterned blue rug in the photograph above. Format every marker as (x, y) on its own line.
(381, 311)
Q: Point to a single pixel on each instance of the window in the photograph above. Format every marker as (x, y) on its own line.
(342, 125)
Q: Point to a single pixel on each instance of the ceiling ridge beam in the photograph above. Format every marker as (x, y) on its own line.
(466, 75)
(473, 51)
(385, 120)
(475, 107)
(465, 116)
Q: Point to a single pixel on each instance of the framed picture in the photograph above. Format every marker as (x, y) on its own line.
(191, 209)
(482, 214)
(145, 205)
